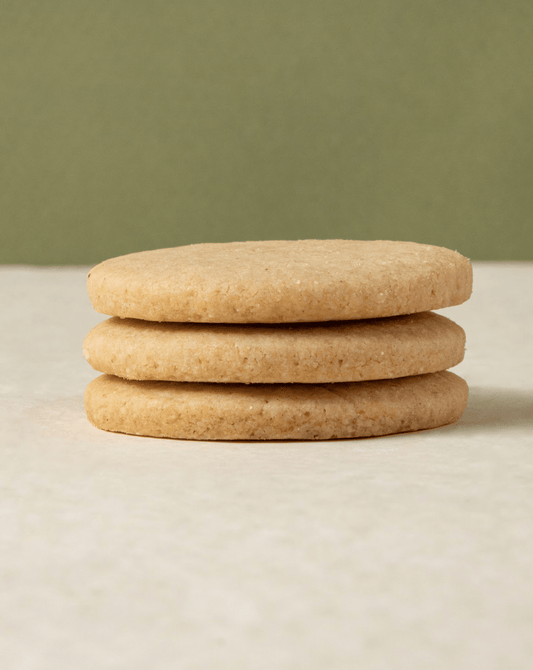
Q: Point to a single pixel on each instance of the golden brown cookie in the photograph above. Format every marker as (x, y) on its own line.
(201, 411)
(280, 281)
(345, 351)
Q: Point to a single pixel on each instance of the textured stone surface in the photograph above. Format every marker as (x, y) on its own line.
(406, 551)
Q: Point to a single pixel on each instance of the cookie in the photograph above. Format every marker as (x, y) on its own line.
(316, 353)
(202, 411)
(280, 281)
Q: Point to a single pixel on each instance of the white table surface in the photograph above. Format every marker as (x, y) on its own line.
(405, 552)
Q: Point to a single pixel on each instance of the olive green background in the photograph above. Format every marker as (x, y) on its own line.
(128, 125)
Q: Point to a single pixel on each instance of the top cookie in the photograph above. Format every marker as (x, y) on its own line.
(280, 281)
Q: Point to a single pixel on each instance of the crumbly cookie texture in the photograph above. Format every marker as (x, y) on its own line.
(201, 411)
(298, 353)
(280, 281)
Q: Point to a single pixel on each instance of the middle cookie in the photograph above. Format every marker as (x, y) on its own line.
(310, 353)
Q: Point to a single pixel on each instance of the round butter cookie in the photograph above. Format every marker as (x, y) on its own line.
(202, 411)
(345, 351)
(280, 281)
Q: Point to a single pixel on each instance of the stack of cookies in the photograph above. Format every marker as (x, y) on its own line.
(302, 340)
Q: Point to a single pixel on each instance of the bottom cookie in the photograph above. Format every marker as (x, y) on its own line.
(207, 411)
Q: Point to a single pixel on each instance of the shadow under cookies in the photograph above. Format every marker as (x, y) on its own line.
(493, 407)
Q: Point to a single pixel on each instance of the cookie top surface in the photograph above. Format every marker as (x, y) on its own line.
(345, 351)
(196, 411)
(280, 281)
